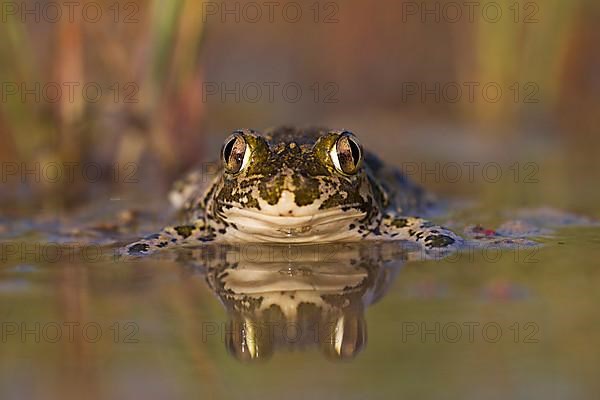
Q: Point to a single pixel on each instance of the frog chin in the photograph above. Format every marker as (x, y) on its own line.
(290, 223)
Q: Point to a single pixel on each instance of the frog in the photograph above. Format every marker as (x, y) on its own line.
(296, 186)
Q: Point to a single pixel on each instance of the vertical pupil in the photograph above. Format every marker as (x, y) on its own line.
(228, 149)
(355, 151)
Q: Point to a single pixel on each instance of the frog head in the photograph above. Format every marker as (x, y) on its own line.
(294, 185)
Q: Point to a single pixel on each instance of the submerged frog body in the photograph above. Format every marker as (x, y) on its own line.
(293, 185)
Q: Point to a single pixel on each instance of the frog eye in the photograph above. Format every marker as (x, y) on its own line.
(346, 153)
(236, 153)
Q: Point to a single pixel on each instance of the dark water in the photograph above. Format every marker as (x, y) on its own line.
(335, 321)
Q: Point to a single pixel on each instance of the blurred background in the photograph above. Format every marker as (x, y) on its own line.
(151, 88)
(105, 103)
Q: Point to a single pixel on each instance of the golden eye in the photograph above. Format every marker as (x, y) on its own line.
(346, 153)
(236, 153)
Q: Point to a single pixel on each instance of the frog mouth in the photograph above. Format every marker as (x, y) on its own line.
(294, 223)
(331, 223)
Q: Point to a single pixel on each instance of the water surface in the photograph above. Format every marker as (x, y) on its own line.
(507, 324)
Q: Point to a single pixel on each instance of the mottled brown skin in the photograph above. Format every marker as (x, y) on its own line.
(296, 185)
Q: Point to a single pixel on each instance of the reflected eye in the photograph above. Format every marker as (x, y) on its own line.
(346, 153)
(236, 153)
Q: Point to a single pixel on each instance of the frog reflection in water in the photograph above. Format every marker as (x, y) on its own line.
(299, 186)
(282, 297)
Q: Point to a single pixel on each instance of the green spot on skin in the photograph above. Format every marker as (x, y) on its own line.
(271, 191)
(439, 240)
(400, 222)
(184, 231)
(307, 192)
(252, 203)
